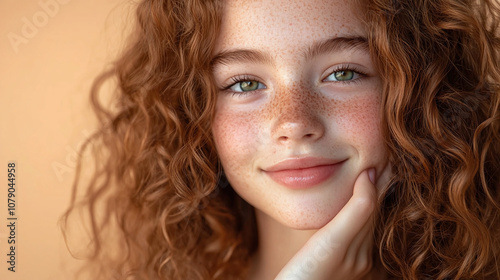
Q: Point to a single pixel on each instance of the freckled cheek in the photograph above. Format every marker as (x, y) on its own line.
(236, 137)
(360, 123)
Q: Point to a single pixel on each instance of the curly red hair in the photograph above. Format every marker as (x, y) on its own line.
(440, 63)
(172, 213)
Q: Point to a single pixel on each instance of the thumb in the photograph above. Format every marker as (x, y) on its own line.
(358, 209)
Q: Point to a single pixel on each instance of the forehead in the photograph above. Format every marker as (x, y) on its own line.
(284, 24)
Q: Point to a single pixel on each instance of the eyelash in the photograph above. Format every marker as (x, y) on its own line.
(246, 77)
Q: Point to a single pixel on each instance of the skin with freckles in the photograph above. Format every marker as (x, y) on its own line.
(296, 81)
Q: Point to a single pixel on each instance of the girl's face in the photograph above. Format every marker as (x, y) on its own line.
(297, 117)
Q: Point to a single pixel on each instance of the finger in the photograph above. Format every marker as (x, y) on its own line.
(359, 254)
(366, 254)
(359, 245)
(361, 251)
(354, 215)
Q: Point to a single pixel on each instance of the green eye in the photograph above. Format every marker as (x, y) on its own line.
(341, 75)
(244, 86)
(344, 75)
(249, 85)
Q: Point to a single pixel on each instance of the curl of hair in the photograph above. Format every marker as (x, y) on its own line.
(439, 61)
(160, 178)
(161, 183)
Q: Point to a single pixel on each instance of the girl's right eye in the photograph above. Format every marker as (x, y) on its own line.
(246, 86)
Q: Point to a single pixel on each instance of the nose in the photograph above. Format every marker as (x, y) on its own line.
(297, 118)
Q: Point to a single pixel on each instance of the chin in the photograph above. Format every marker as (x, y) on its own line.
(308, 220)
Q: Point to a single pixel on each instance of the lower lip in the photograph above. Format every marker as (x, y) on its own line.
(303, 178)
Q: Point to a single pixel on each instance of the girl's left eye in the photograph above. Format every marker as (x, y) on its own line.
(342, 76)
(244, 86)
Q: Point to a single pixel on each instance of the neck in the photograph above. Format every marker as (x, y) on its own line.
(277, 245)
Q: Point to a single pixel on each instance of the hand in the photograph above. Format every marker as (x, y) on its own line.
(342, 249)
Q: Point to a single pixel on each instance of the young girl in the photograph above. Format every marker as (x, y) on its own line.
(301, 140)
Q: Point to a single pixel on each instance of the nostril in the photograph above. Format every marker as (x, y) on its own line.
(285, 131)
(283, 138)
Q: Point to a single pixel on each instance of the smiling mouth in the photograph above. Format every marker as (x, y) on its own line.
(303, 173)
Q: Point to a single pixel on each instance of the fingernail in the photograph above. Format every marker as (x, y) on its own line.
(371, 175)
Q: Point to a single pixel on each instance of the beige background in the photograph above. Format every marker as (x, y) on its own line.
(50, 51)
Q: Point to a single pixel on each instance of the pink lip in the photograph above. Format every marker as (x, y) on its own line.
(303, 173)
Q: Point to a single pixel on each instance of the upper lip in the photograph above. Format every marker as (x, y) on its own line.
(301, 163)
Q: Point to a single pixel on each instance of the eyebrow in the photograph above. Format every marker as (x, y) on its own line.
(241, 55)
(335, 44)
